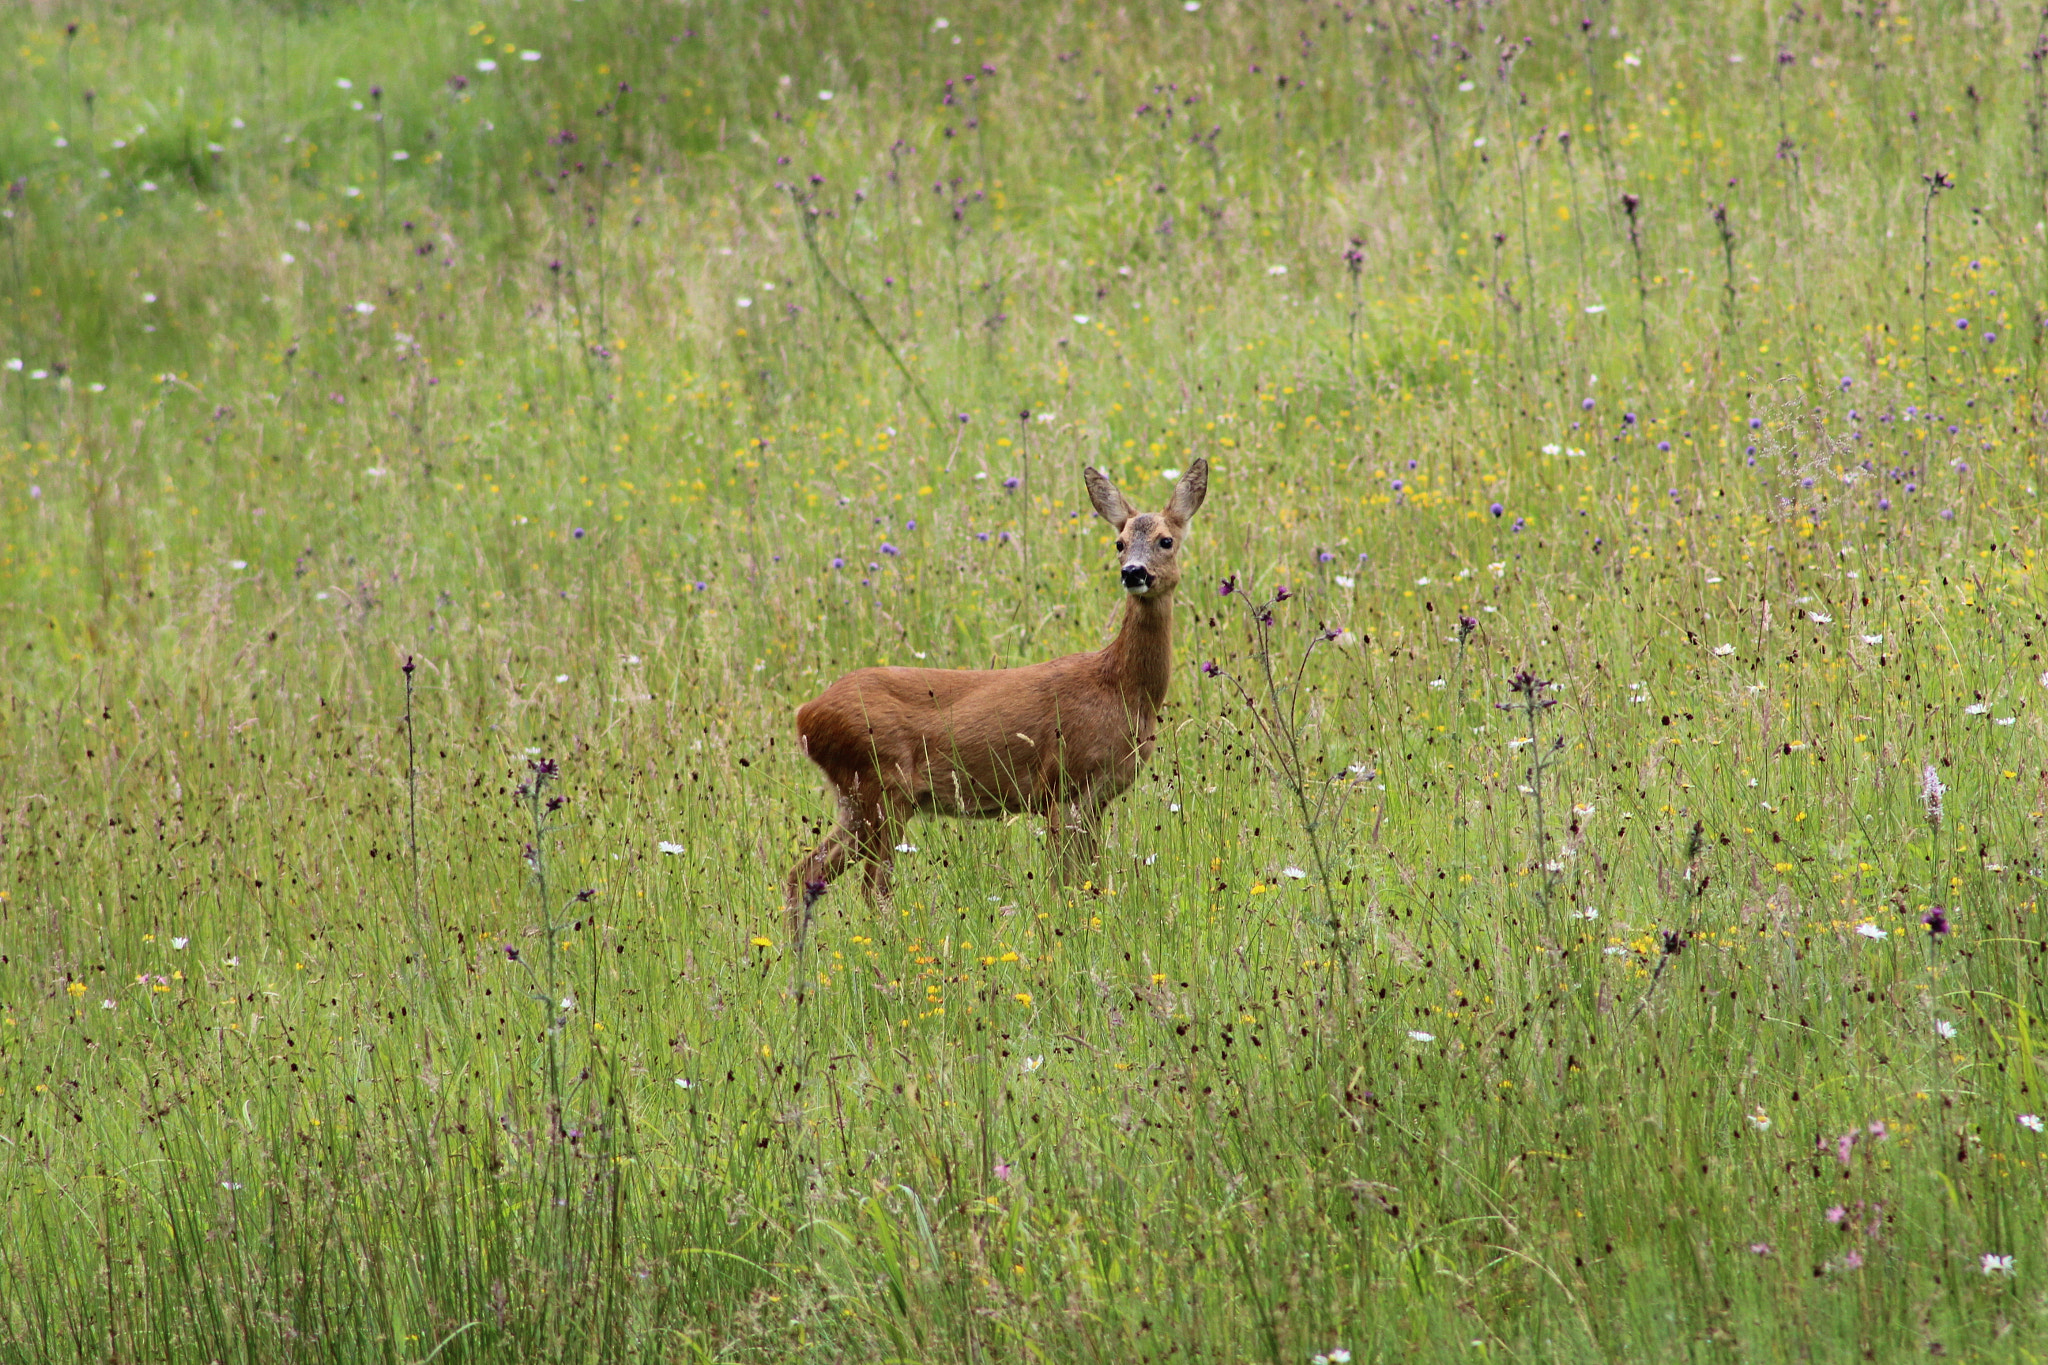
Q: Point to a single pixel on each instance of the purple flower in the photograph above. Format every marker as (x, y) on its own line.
(1628, 419)
(1756, 423)
(1852, 1260)
(699, 586)
(910, 525)
(1229, 586)
(1963, 324)
(1324, 557)
(1282, 594)
(1846, 382)
(1496, 509)
(1210, 670)
(1520, 522)
(1587, 405)
(1013, 482)
(1664, 446)
(1004, 1170)
(1936, 921)
(1398, 485)
(838, 561)
(1837, 1214)
(1843, 1144)
(1759, 1248)
(889, 549)
(577, 533)
(1990, 337)
(1884, 504)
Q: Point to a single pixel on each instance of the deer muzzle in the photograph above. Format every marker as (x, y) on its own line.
(1137, 578)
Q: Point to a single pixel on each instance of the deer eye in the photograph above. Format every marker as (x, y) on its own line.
(1166, 542)
(1119, 547)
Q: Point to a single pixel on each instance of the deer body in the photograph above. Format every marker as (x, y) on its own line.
(1061, 738)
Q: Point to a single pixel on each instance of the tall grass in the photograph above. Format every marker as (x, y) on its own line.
(650, 388)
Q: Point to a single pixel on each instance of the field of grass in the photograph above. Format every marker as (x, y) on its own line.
(416, 413)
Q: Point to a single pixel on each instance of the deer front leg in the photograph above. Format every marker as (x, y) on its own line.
(879, 837)
(1072, 840)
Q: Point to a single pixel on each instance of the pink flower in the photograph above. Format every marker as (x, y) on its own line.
(1842, 1146)
(1837, 1214)
(1852, 1260)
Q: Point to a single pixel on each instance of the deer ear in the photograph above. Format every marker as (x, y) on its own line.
(1189, 492)
(1110, 504)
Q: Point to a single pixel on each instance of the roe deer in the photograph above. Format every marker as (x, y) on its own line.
(1064, 737)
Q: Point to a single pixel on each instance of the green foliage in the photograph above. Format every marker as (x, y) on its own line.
(636, 390)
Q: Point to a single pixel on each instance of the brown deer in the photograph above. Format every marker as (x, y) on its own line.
(1064, 738)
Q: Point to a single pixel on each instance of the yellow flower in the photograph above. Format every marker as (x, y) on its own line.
(760, 942)
(1022, 997)
(76, 988)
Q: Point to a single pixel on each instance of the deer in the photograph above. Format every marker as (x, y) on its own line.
(1061, 739)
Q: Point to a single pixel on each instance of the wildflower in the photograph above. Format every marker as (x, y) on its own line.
(1013, 483)
(179, 943)
(1759, 1248)
(889, 549)
(1586, 404)
(1932, 789)
(1992, 1264)
(1004, 1170)
(1282, 593)
(1276, 270)
(1843, 1145)
(1936, 921)
(1873, 639)
(1294, 872)
(1975, 708)
(1419, 1036)
(1945, 1029)
(1837, 1214)
(486, 65)
(1170, 475)
(1821, 618)
(1553, 448)
(1345, 581)
(825, 95)
(1870, 931)
(685, 1083)
(2032, 1123)
(1496, 509)
(1852, 1260)
(906, 848)
(1877, 1129)
(1230, 586)
(1761, 1121)
(760, 942)
(1723, 651)
(1210, 670)
(666, 847)
(1032, 1064)
(1594, 308)
(529, 56)
(1082, 318)
(364, 309)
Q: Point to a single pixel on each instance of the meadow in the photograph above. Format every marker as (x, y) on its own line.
(1585, 904)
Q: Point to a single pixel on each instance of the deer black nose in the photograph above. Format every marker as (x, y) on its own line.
(1137, 576)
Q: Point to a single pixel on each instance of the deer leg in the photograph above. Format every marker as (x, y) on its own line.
(807, 881)
(1072, 840)
(881, 831)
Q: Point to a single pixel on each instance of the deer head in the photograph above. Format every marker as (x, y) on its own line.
(1148, 543)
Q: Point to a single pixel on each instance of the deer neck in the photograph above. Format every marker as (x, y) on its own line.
(1140, 658)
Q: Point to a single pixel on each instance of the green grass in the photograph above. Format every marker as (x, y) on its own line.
(581, 427)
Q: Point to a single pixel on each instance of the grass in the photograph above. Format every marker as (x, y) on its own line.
(651, 389)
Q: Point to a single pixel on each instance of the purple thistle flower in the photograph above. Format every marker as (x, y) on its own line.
(1884, 504)
(1936, 921)
(1398, 485)
(577, 534)
(889, 549)
(1229, 586)
(838, 561)
(1210, 670)
(1963, 324)
(1990, 337)
(1664, 446)
(1587, 404)
(1756, 423)
(1846, 382)
(1496, 509)
(1013, 482)
(1283, 594)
